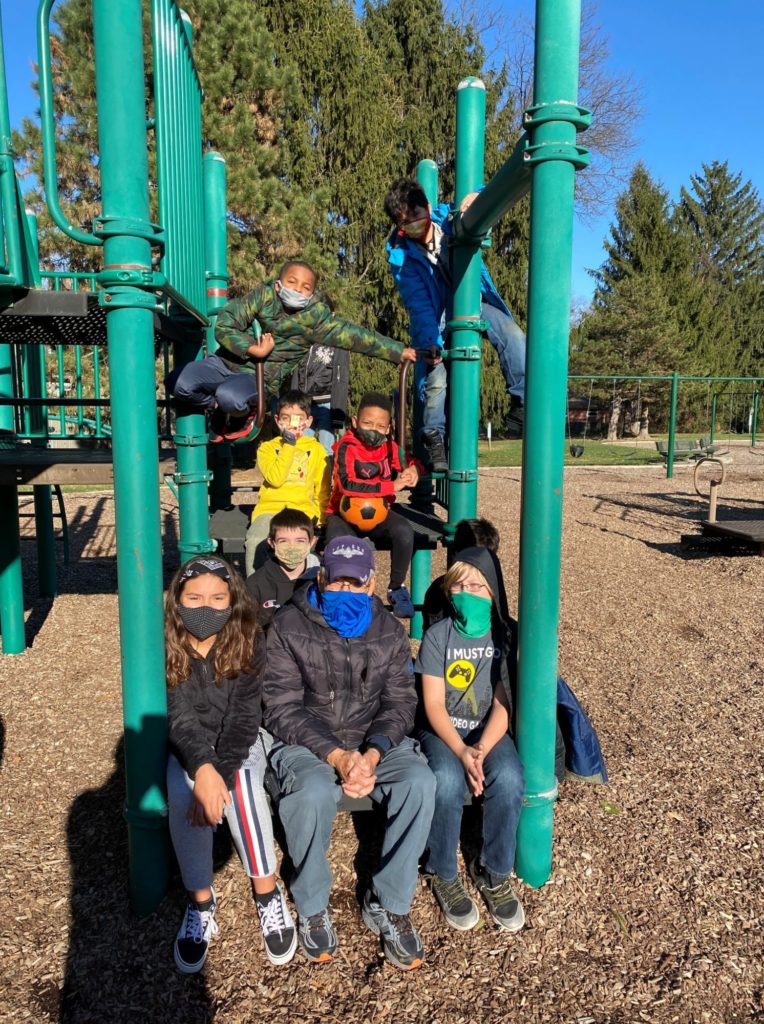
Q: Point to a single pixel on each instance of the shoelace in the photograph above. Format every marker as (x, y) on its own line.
(451, 891)
(316, 921)
(200, 925)
(503, 893)
(401, 924)
(272, 917)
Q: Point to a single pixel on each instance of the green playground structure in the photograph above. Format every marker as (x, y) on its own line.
(153, 303)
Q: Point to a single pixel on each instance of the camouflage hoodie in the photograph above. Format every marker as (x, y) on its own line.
(293, 333)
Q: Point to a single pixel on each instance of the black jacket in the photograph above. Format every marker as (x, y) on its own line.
(270, 588)
(322, 691)
(324, 374)
(215, 723)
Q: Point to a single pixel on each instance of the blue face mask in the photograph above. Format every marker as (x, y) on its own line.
(348, 614)
(293, 300)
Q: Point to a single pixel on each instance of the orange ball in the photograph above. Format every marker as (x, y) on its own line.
(364, 513)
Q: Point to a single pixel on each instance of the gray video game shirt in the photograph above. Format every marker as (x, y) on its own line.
(470, 667)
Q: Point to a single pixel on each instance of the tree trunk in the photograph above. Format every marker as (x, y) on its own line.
(644, 422)
(615, 415)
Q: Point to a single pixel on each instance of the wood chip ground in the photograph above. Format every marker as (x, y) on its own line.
(654, 908)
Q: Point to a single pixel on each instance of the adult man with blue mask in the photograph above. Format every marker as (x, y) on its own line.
(339, 699)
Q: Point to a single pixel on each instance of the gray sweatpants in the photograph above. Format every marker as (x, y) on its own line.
(310, 793)
(248, 817)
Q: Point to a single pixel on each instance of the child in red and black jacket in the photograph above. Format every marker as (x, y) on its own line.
(367, 464)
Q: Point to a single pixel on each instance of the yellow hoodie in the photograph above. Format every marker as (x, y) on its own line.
(294, 476)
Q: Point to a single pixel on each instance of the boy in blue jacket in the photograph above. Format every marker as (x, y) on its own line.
(419, 261)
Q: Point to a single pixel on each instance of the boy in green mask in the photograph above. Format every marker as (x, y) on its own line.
(291, 563)
(465, 720)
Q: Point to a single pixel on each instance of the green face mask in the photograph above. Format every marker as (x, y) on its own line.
(473, 614)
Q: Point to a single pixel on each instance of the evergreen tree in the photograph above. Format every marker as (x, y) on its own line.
(245, 97)
(726, 220)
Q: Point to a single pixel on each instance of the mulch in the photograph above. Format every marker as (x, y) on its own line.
(654, 908)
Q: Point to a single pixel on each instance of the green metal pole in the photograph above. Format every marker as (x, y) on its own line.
(427, 176)
(12, 272)
(422, 494)
(11, 586)
(215, 252)
(672, 425)
(191, 435)
(34, 357)
(464, 336)
(754, 418)
(713, 417)
(554, 156)
(421, 568)
(120, 93)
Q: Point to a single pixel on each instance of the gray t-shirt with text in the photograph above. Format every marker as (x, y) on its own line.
(470, 667)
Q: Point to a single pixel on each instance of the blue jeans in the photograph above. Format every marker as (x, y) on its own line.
(322, 425)
(502, 800)
(310, 792)
(509, 342)
(209, 380)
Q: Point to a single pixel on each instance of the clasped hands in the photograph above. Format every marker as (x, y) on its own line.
(472, 762)
(356, 770)
(407, 477)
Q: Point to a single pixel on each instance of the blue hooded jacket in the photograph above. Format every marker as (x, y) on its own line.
(425, 292)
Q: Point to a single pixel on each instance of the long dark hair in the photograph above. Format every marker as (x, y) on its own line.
(236, 644)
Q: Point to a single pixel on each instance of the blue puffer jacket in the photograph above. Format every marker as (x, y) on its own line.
(425, 293)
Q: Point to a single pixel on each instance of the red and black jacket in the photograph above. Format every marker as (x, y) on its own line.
(363, 472)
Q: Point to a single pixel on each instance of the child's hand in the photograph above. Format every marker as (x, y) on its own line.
(409, 476)
(408, 355)
(262, 348)
(472, 762)
(211, 797)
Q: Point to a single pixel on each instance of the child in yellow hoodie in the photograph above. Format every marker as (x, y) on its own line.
(295, 472)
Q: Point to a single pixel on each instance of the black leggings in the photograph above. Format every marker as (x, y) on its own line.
(395, 530)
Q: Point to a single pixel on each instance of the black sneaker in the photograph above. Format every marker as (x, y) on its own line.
(193, 938)
(503, 906)
(458, 907)
(436, 452)
(318, 937)
(279, 934)
(515, 419)
(400, 940)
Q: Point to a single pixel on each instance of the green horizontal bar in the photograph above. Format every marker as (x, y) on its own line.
(510, 183)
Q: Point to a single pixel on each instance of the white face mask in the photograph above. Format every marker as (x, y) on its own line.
(292, 299)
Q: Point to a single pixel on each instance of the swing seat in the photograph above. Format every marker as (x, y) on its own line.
(682, 450)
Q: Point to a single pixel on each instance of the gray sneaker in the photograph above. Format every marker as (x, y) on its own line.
(458, 907)
(400, 940)
(318, 937)
(503, 905)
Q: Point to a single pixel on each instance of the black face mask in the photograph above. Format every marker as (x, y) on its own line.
(203, 622)
(370, 438)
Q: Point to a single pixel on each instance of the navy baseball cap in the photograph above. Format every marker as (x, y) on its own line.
(351, 557)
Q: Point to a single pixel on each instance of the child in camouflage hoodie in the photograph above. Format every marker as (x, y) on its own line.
(276, 322)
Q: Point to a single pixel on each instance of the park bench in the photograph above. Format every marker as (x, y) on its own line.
(692, 449)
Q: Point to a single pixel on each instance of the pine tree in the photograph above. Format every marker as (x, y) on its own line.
(246, 95)
(726, 219)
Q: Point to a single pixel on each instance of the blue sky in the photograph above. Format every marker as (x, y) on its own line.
(698, 62)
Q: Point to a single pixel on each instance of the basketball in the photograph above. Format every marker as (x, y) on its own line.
(363, 513)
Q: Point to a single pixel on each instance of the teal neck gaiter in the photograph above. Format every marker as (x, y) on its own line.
(473, 614)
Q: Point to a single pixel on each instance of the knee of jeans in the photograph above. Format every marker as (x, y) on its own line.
(421, 782)
(450, 783)
(507, 777)
(314, 792)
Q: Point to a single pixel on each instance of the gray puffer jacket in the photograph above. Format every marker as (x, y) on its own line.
(323, 691)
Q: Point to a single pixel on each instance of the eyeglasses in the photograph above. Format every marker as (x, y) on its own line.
(468, 588)
(353, 585)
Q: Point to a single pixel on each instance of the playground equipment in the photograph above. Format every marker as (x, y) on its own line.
(136, 305)
(672, 447)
